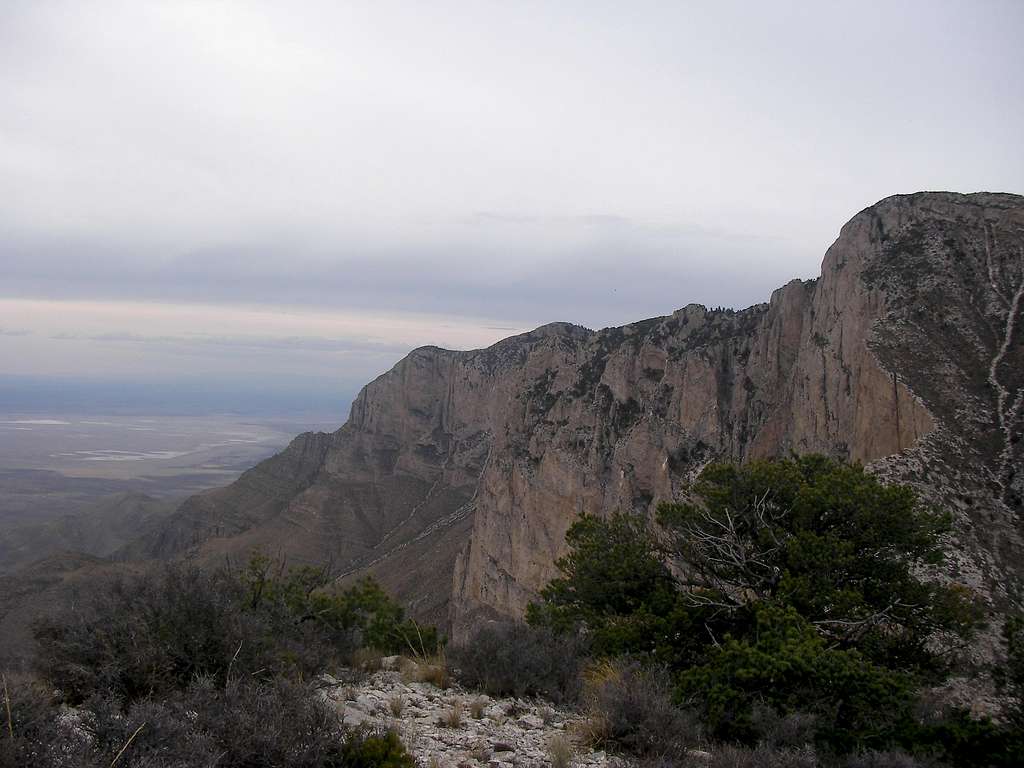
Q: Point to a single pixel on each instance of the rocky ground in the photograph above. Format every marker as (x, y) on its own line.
(455, 728)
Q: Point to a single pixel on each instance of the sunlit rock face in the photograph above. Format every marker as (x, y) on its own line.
(458, 473)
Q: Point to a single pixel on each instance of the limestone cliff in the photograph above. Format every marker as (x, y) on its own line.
(458, 473)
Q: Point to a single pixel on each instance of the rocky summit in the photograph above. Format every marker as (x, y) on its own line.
(458, 473)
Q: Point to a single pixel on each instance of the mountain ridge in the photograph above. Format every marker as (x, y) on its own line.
(458, 472)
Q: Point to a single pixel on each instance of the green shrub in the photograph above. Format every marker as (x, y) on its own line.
(149, 634)
(178, 667)
(374, 749)
(829, 540)
(155, 633)
(960, 739)
(363, 615)
(786, 586)
(616, 587)
(785, 664)
(613, 569)
(159, 631)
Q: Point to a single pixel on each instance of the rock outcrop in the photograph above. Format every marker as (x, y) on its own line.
(458, 473)
(453, 726)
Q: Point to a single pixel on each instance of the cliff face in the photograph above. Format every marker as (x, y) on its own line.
(458, 473)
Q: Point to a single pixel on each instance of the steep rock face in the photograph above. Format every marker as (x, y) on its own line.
(900, 352)
(390, 494)
(458, 473)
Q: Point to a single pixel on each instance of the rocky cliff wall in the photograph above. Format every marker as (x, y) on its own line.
(458, 473)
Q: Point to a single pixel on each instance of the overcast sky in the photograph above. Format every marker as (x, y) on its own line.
(304, 191)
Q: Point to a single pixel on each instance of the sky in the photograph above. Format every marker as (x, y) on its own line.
(293, 195)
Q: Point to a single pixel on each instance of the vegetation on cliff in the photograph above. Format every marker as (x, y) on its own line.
(787, 587)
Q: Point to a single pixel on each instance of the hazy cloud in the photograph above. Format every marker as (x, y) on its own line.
(451, 172)
(288, 343)
(283, 349)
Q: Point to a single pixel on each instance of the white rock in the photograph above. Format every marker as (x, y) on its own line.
(353, 716)
(531, 722)
(524, 731)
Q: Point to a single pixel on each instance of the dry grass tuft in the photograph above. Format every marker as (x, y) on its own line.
(597, 675)
(432, 669)
(368, 659)
(497, 718)
(436, 673)
(477, 707)
(425, 667)
(592, 730)
(560, 751)
(453, 718)
(397, 705)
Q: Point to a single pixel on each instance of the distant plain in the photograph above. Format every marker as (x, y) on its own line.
(57, 464)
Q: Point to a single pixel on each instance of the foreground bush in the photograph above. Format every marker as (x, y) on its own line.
(785, 664)
(245, 724)
(630, 710)
(363, 615)
(156, 633)
(31, 727)
(513, 659)
(178, 668)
